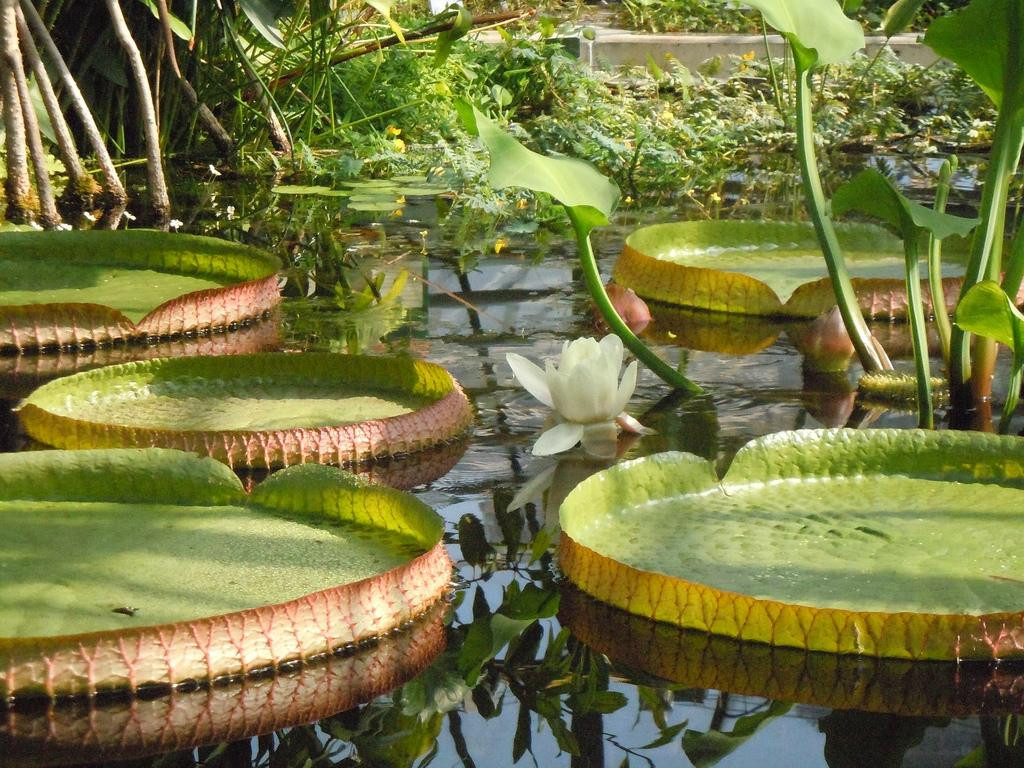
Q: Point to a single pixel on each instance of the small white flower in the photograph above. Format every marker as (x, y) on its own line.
(585, 392)
(64, 227)
(175, 224)
(129, 216)
(88, 216)
(213, 170)
(230, 211)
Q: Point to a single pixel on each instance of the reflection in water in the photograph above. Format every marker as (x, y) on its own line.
(701, 660)
(79, 731)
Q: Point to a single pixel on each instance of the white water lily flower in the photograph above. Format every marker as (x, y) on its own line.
(586, 393)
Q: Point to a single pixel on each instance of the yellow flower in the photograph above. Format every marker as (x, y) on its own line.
(500, 244)
(399, 145)
(748, 56)
(392, 130)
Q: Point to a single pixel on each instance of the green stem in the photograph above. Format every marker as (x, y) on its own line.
(918, 334)
(938, 295)
(986, 248)
(592, 279)
(1012, 397)
(1015, 267)
(871, 357)
(776, 90)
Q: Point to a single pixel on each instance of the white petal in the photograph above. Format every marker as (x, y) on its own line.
(599, 440)
(626, 388)
(556, 386)
(612, 350)
(629, 424)
(560, 437)
(531, 377)
(578, 351)
(534, 488)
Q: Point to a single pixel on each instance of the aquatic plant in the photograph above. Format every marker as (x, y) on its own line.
(827, 540)
(585, 391)
(151, 575)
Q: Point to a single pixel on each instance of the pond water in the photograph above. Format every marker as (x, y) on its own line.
(532, 673)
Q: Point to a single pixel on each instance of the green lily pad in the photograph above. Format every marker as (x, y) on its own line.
(124, 569)
(765, 268)
(255, 410)
(885, 542)
(95, 287)
(375, 205)
(104, 729)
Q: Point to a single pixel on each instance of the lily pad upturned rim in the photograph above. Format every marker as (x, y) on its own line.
(442, 420)
(712, 290)
(99, 728)
(252, 292)
(165, 656)
(955, 457)
(869, 684)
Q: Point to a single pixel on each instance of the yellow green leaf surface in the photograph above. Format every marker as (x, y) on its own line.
(763, 268)
(893, 543)
(255, 410)
(87, 287)
(128, 568)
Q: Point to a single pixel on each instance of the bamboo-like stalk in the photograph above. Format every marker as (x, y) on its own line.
(17, 186)
(112, 186)
(82, 188)
(159, 199)
(48, 215)
(207, 119)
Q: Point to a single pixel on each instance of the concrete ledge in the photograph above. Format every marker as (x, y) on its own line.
(616, 47)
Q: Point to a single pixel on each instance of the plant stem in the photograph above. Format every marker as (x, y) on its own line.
(776, 89)
(1012, 397)
(872, 357)
(17, 187)
(592, 279)
(1015, 268)
(938, 295)
(918, 334)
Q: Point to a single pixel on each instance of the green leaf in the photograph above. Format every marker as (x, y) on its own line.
(668, 735)
(984, 39)
(93, 539)
(899, 16)
(873, 193)
(263, 15)
(839, 526)
(463, 23)
(178, 27)
(707, 749)
(819, 31)
(575, 184)
(250, 410)
(987, 311)
(308, 189)
(383, 7)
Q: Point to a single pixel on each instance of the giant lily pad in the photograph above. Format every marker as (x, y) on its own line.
(701, 660)
(765, 268)
(255, 410)
(97, 287)
(133, 568)
(106, 728)
(20, 374)
(893, 543)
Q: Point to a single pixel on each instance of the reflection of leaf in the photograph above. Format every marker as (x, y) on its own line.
(667, 735)
(818, 30)
(705, 749)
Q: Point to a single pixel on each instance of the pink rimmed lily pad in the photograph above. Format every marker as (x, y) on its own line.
(769, 268)
(102, 728)
(86, 288)
(255, 410)
(129, 569)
